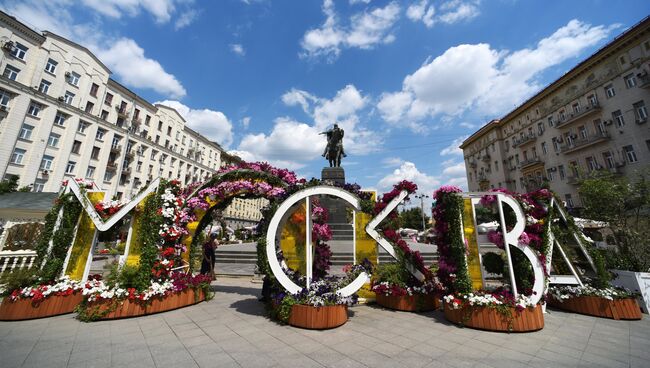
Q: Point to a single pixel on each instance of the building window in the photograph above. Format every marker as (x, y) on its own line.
(556, 145)
(138, 166)
(108, 175)
(11, 72)
(76, 147)
(69, 168)
(609, 91)
(34, 109)
(83, 125)
(26, 132)
(53, 140)
(630, 154)
(593, 100)
(39, 186)
(90, 172)
(560, 171)
(108, 100)
(551, 123)
(95, 153)
(169, 131)
(17, 156)
(50, 67)
(100, 134)
(73, 78)
(147, 120)
(544, 148)
(160, 125)
(569, 200)
(609, 159)
(4, 99)
(68, 98)
(618, 117)
(60, 118)
(582, 130)
(19, 51)
(104, 115)
(549, 174)
(89, 107)
(94, 88)
(44, 86)
(630, 80)
(576, 108)
(640, 111)
(592, 164)
(46, 162)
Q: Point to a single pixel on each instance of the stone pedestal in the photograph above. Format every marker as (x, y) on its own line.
(333, 175)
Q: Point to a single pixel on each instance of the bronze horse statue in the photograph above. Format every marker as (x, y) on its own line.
(334, 153)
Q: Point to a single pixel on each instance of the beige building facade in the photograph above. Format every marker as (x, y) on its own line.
(62, 116)
(595, 117)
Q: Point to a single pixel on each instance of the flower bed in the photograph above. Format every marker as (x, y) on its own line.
(496, 311)
(105, 302)
(491, 319)
(42, 300)
(611, 303)
(123, 308)
(318, 318)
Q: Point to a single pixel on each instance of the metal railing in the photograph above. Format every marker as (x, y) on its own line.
(12, 260)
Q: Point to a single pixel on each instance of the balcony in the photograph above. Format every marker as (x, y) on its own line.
(111, 166)
(581, 143)
(531, 137)
(116, 148)
(473, 164)
(485, 158)
(575, 116)
(644, 79)
(126, 170)
(530, 162)
(130, 153)
(121, 112)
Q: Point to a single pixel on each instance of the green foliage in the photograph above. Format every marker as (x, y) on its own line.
(9, 185)
(393, 273)
(149, 236)
(493, 263)
(283, 312)
(61, 239)
(25, 189)
(453, 205)
(412, 218)
(625, 204)
(127, 277)
(18, 278)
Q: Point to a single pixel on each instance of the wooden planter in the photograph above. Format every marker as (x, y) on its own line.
(409, 303)
(599, 307)
(127, 308)
(318, 318)
(485, 318)
(51, 306)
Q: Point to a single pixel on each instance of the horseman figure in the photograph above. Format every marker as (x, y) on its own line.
(334, 150)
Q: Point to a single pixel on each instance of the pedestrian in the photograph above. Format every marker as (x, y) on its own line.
(207, 264)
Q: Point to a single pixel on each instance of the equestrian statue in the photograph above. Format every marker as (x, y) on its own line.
(334, 149)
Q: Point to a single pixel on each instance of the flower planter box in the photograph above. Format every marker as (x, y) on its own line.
(318, 318)
(409, 303)
(635, 281)
(128, 308)
(599, 307)
(53, 305)
(486, 318)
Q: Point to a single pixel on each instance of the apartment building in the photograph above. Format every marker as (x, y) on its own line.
(595, 117)
(63, 116)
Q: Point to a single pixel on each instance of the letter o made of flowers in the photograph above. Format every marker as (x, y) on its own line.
(273, 229)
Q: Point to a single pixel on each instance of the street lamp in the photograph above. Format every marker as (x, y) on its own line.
(422, 197)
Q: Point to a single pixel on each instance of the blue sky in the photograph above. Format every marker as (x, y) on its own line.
(407, 80)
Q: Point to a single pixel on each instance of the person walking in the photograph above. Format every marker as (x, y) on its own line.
(207, 264)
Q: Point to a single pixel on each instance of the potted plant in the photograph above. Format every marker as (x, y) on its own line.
(396, 288)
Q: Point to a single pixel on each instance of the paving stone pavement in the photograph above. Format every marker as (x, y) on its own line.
(232, 331)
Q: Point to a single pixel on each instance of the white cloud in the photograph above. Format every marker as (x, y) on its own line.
(161, 10)
(123, 56)
(455, 170)
(281, 146)
(458, 10)
(238, 49)
(465, 77)
(467, 125)
(407, 171)
(365, 30)
(421, 12)
(185, 19)
(392, 162)
(454, 147)
(127, 59)
(353, 2)
(246, 122)
(212, 124)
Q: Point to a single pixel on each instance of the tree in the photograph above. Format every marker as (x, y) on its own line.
(9, 185)
(625, 204)
(412, 218)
